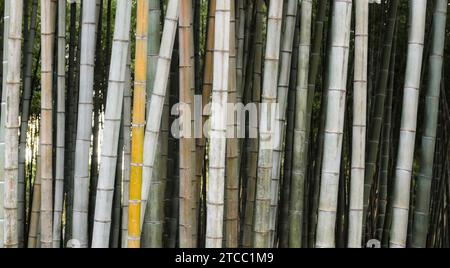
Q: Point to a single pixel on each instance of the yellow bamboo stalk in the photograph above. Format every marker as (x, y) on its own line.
(137, 142)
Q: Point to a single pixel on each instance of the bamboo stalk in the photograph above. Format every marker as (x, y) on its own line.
(428, 145)
(355, 228)
(154, 216)
(12, 123)
(26, 100)
(127, 96)
(33, 228)
(378, 107)
(300, 150)
(253, 151)
(337, 80)
(138, 125)
(3, 119)
(408, 125)
(206, 90)
(267, 133)
(154, 113)
(48, 11)
(287, 44)
(61, 121)
(113, 116)
(84, 124)
(231, 217)
(186, 141)
(217, 150)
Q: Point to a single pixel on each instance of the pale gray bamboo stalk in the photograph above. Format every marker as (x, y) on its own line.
(231, 208)
(216, 183)
(334, 125)
(84, 123)
(60, 124)
(12, 123)
(287, 44)
(428, 145)
(127, 99)
(301, 125)
(355, 228)
(3, 118)
(267, 128)
(155, 110)
(26, 99)
(48, 13)
(408, 125)
(111, 131)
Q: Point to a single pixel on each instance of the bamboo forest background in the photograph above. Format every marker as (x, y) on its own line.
(88, 158)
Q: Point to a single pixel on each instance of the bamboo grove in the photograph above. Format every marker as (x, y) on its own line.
(342, 140)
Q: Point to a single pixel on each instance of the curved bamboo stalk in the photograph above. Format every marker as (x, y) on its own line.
(300, 149)
(113, 115)
(428, 145)
(61, 121)
(287, 44)
(359, 124)
(405, 156)
(337, 82)
(12, 123)
(84, 127)
(216, 184)
(155, 110)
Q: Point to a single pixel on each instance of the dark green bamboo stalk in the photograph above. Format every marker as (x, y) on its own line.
(423, 180)
(378, 108)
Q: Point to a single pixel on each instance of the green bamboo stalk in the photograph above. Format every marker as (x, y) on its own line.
(153, 218)
(378, 107)
(316, 52)
(428, 145)
(386, 149)
(300, 149)
(287, 43)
